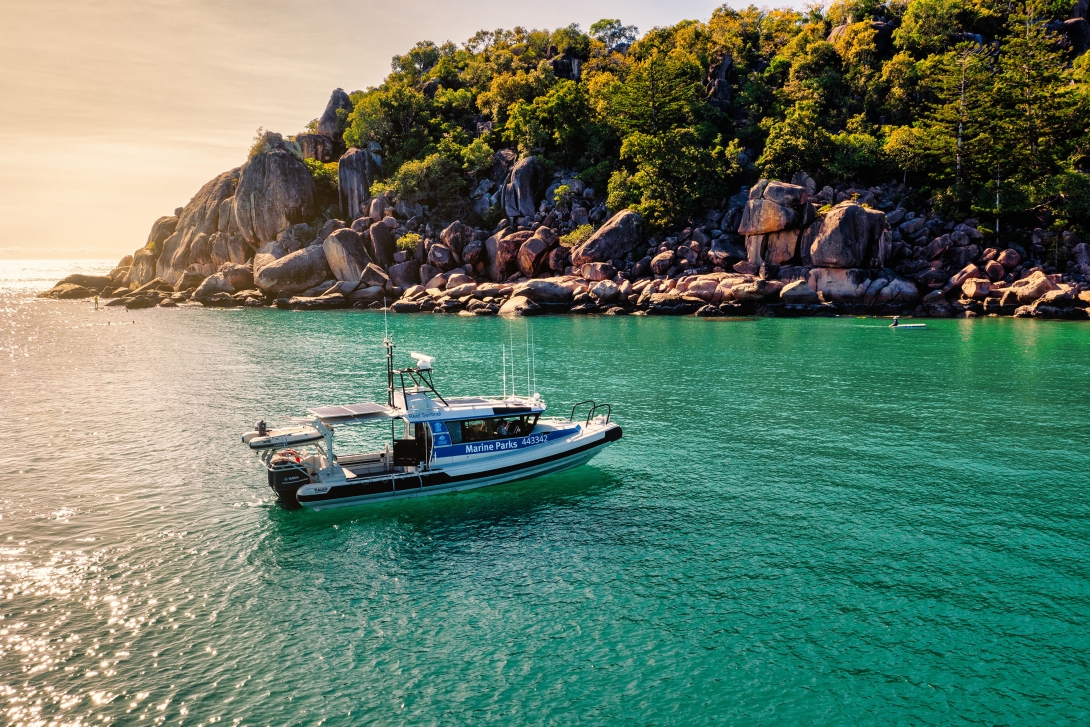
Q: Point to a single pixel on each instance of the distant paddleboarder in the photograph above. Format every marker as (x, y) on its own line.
(96, 302)
(896, 322)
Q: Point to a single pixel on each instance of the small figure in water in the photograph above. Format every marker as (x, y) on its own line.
(96, 302)
(896, 322)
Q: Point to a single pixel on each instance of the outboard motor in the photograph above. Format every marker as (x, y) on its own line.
(286, 475)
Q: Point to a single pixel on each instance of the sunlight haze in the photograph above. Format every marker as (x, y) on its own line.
(113, 114)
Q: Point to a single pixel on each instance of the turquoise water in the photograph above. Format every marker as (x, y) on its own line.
(807, 521)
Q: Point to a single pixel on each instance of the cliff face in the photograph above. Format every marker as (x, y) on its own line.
(275, 191)
(192, 241)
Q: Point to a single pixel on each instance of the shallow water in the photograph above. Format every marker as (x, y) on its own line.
(807, 521)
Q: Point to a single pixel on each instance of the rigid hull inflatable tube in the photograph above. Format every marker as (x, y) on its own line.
(439, 481)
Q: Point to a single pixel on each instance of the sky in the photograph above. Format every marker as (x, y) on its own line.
(113, 114)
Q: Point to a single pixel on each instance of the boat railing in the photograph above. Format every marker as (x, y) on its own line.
(593, 408)
(608, 408)
(588, 401)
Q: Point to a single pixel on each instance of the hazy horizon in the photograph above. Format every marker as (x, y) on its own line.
(115, 115)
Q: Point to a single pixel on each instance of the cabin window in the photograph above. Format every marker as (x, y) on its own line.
(480, 430)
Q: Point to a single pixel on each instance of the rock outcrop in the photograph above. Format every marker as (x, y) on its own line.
(191, 240)
(518, 196)
(357, 170)
(345, 254)
(612, 241)
(315, 146)
(850, 235)
(275, 191)
(293, 273)
(329, 124)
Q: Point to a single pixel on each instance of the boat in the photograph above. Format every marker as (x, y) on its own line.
(897, 324)
(436, 444)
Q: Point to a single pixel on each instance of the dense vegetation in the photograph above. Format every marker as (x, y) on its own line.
(969, 101)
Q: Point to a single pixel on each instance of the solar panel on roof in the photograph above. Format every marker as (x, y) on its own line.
(351, 411)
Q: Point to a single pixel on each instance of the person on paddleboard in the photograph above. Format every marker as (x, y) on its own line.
(896, 322)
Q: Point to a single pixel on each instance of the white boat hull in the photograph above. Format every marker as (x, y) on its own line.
(536, 461)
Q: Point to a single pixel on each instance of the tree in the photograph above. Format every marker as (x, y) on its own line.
(612, 33)
(662, 91)
(796, 143)
(673, 174)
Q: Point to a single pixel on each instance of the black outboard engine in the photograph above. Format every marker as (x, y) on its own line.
(286, 475)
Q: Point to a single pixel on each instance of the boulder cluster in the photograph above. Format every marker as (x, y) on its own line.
(253, 237)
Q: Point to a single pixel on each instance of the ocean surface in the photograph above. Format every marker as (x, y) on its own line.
(814, 521)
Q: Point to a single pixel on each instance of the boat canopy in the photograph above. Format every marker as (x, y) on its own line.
(367, 411)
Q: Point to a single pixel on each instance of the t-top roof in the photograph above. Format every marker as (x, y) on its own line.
(354, 412)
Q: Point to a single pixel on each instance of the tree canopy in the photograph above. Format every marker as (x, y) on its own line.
(963, 99)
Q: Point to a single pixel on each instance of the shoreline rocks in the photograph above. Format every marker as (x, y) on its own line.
(253, 235)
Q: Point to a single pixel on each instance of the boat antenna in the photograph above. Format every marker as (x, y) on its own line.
(385, 317)
(533, 356)
(511, 342)
(503, 349)
(528, 392)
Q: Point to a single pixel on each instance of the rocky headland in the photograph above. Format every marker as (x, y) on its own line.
(255, 236)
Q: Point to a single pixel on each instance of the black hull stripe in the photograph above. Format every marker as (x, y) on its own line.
(437, 479)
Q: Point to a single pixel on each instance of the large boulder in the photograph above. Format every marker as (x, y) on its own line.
(792, 196)
(328, 301)
(763, 216)
(163, 228)
(519, 305)
(1031, 288)
(295, 272)
(190, 240)
(456, 236)
(890, 291)
(328, 123)
(546, 290)
(850, 236)
(404, 275)
(442, 257)
(471, 253)
(275, 191)
(383, 245)
(241, 277)
(775, 247)
(518, 194)
(798, 292)
(68, 291)
(357, 170)
(315, 146)
(345, 255)
(502, 251)
(212, 285)
(533, 255)
(839, 285)
(612, 241)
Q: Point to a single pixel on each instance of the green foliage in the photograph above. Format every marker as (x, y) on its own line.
(562, 197)
(611, 32)
(557, 124)
(824, 92)
(671, 174)
(578, 236)
(477, 158)
(434, 180)
(269, 140)
(408, 242)
(325, 181)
